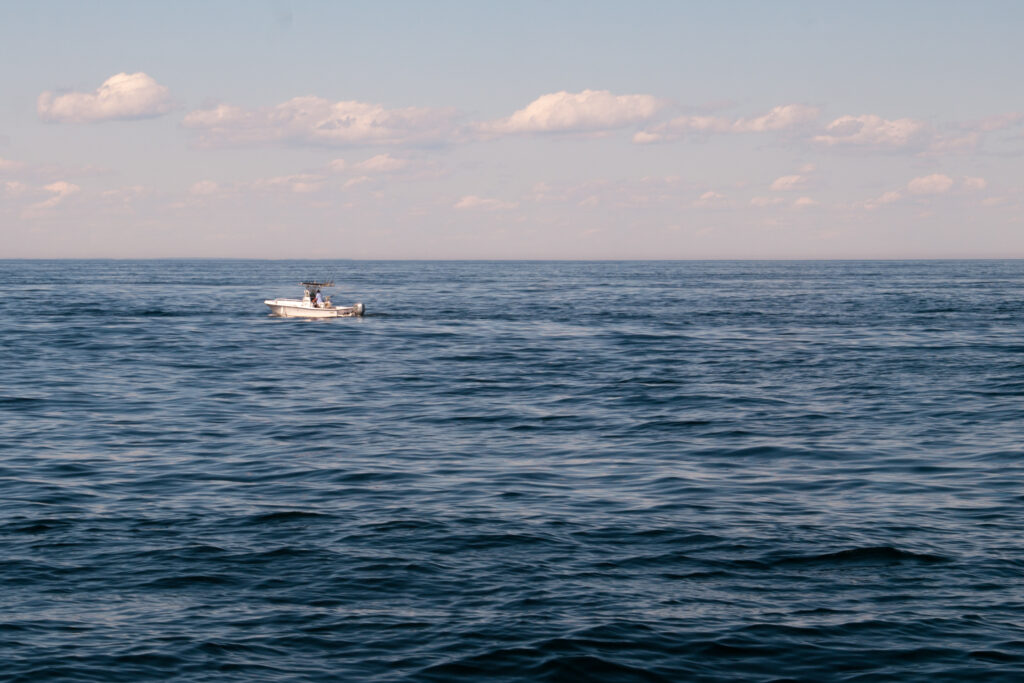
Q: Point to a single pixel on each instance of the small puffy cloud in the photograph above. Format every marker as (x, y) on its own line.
(710, 198)
(484, 204)
(780, 118)
(303, 186)
(123, 96)
(60, 191)
(937, 183)
(566, 112)
(934, 184)
(643, 137)
(123, 200)
(873, 132)
(382, 163)
(358, 180)
(789, 182)
(886, 198)
(337, 165)
(9, 166)
(318, 121)
(804, 203)
(869, 130)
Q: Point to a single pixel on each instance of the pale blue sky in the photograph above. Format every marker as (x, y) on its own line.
(656, 129)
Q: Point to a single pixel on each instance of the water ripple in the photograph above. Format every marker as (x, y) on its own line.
(513, 471)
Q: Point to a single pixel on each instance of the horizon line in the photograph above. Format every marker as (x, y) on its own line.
(515, 260)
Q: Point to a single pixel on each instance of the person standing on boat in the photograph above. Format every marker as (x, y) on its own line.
(319, 301)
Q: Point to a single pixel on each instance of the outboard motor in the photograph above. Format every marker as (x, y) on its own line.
(358, 309)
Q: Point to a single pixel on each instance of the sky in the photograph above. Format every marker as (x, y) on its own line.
(513, 130)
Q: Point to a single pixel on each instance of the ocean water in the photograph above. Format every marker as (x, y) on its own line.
(513, 471)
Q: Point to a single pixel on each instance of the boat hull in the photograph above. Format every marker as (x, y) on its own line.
(291, 308)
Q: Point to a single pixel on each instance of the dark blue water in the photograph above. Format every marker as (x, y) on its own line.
(513, 471)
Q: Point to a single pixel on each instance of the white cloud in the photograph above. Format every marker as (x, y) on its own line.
(482, 203)
(587, 111)
(886, 198)
(60, 190)
(804, 202)
(869, 130)
(873, 132)
(358, 180)
(710, 198)
(122, 200)
(123, 96)
(779, 118)
(315, 120)
(8, 165)
(789, 182)
(643, 137)
(782, 117)
(937, 183)
(383, 163)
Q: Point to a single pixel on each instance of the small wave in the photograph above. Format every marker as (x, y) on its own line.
(860, 556)
(536, 664)
(406, 525)
(286, 516)
(191, 581)
(21, 401)
(161, 313)
(38, 526)
(996, 656)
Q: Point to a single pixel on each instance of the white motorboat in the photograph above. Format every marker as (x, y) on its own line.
(313, 304)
